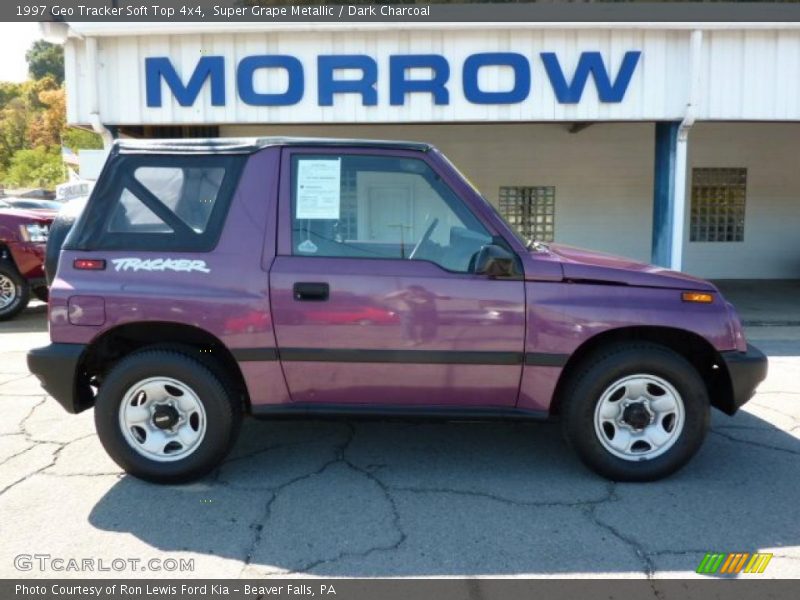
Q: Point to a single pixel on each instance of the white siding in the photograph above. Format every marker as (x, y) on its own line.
(771, 246)
(604, 182)
(745, 75)
(750, 75)
(657, 89)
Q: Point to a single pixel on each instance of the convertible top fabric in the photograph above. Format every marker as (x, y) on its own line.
(91, 231)
(249, 145)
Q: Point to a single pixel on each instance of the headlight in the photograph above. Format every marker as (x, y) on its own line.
(34, 232)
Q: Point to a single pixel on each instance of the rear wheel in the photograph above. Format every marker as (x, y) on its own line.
(14, 291)
(165, 417)
(636, 412)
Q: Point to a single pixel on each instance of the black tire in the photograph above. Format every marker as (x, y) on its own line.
(223, 415)
(21, 293)
(59, 229)
(600, 371)
(41, 293)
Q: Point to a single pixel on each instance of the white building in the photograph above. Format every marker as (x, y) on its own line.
(675, 143)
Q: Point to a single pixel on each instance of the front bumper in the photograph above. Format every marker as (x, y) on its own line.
(56, 367)
(29, 258)
(746, 371)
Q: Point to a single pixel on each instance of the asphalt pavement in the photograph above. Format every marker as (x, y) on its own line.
(374, 499)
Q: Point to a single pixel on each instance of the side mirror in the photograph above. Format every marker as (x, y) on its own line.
(494, 261)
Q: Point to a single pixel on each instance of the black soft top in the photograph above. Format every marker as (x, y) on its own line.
(249, 145)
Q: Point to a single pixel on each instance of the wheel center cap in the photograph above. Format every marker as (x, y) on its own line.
(636, 415)
(165, 416)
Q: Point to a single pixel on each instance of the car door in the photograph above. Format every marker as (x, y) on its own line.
(373, 296)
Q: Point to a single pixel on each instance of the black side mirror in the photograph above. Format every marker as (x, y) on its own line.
(494, 261)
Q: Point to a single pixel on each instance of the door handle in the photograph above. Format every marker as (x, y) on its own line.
(311, 291)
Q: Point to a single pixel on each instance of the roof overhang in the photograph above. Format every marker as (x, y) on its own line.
(59, 32)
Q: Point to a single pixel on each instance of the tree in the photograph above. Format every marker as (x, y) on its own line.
(46, 59)
(8, 91)
(46, 126)
(35, 167)
(33, 123)
(81, 139)
(32, 131)
(14, 118)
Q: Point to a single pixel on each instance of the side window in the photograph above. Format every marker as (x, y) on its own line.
(363, 206)
(188, 192)
(132, 215)
(162, 203)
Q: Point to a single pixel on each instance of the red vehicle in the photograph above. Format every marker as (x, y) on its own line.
(23, 238)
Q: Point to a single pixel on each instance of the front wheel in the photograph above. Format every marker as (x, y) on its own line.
(14, 291)
(636, 412)
(165, 417)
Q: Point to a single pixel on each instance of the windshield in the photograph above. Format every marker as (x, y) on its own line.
(4, 204)
(36, 204)
(522, 240)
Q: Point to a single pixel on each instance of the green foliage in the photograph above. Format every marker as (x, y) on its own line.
(33, 123)
(8, 91)
(81, 139)
(46, 59)
(14, 120)
(36, 167)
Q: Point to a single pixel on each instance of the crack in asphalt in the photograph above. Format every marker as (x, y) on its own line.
(753, 443)
(16, 454)
(591, 513)
(12, 380)
(339, 458)
(588, 508)
(258, 525)
(387, 492)
(265, 450)
(501, 499)
(37, 443)
(648, 565)
(54, 458)
(770, 408)
(117, 474)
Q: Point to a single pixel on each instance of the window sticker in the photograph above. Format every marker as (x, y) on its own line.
(308, 247)
(318, 188)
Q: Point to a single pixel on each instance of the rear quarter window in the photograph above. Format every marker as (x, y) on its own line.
(159, 202)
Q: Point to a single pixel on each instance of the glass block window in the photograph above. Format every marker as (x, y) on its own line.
(530, 210)
(718, 203)
(348, 223)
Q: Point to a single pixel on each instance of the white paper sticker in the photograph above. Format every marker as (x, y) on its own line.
(318, 188)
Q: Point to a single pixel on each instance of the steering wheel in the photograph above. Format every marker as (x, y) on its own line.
(425, 237)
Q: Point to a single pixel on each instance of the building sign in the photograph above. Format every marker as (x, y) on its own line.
(408, 75)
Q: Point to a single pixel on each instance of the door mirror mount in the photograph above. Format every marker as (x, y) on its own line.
(494, 261)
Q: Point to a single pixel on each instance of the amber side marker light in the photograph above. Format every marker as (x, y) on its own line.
(89, 264)
(699, 297)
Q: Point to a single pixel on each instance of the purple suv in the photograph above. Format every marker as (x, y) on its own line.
(298, 277)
